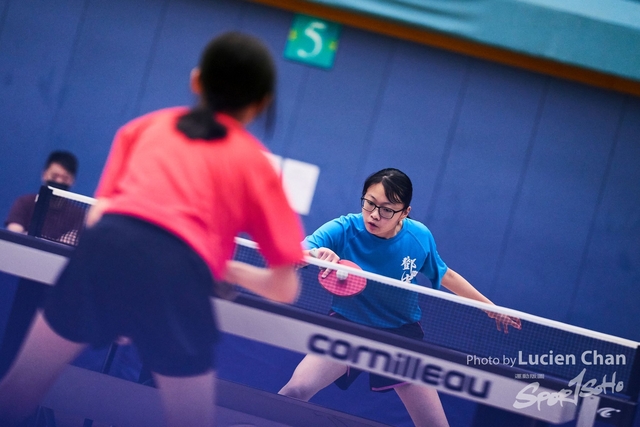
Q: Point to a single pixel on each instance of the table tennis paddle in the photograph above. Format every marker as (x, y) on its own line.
(341, 283)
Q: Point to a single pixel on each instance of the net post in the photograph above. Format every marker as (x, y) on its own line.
(40, 211)
(634, 377)
(588, 411)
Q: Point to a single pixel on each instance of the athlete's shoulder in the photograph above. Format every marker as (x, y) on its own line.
(416, 226)
(347, 226)
(336, 233)
(352, 222)
(419, 232)
(257, 162)
(26, 198)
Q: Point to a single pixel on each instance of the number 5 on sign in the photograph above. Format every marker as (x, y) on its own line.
(312, 41)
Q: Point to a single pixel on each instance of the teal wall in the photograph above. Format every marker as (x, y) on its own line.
(599, 35)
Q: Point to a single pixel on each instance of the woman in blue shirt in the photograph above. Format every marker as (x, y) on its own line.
(384, 240)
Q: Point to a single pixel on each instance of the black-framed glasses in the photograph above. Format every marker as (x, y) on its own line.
(369, 206)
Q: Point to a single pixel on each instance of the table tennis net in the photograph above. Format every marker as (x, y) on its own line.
(541, 349)
(59, 215)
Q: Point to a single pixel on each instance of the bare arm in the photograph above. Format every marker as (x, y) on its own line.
(461, 287)
(16, 228)
(278, 284)
(96, 211)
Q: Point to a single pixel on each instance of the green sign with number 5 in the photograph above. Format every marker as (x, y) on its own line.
(312, 41)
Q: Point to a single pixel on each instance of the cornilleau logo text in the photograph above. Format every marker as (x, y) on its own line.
(400, 364)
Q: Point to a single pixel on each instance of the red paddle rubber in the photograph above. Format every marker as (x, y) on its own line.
(350, 286)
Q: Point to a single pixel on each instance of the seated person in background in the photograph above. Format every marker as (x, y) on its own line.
(63, 218)
(59, 171)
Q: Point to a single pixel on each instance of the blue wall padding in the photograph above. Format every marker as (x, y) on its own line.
(558, 198)
(607, 286)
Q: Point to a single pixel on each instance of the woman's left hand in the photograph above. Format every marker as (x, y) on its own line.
(96, 211)
(503, 321)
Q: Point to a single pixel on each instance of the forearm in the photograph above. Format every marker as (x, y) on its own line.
(96, 211)
(278, 284)
(460, 286)
(16, 228)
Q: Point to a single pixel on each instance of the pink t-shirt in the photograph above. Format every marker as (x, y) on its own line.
(205, 192)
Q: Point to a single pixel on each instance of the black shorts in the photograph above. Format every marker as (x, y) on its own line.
(130, 278)
(377, 382)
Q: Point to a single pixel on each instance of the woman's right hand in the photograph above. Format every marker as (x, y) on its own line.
(324, 254)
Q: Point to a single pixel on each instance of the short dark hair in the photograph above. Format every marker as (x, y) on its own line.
(397, 185)
(66, 159)
(236, 70)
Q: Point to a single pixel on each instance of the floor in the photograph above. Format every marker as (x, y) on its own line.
(80, 393)
(226, 418)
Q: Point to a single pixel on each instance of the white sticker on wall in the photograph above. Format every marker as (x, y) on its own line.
(276, 162)
(299, 181)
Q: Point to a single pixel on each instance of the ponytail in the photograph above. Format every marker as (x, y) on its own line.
(200, 123)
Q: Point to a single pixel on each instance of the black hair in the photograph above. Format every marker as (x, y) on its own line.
(397, 185)
(66, 159)
(236, 70)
